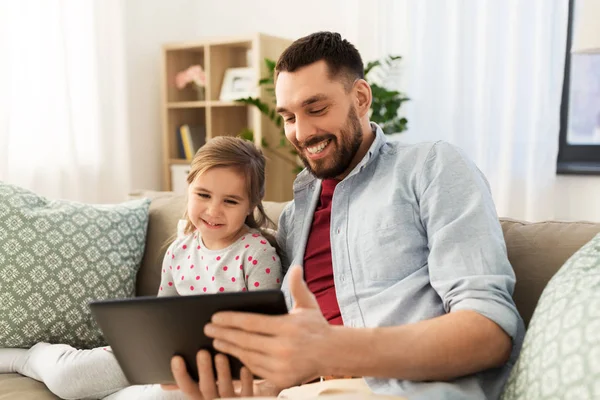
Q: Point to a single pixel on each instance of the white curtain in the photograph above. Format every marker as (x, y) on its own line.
(485, 75)
(63, 127)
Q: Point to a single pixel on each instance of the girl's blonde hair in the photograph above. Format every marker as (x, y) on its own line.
(243, 155)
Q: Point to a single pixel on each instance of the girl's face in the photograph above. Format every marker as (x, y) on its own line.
(218, 205)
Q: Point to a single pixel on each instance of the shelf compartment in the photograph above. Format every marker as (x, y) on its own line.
(177, 61)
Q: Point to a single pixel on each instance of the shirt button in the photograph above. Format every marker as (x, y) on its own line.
(338, 230)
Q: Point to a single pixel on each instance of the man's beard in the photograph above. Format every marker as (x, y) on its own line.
(337, 163)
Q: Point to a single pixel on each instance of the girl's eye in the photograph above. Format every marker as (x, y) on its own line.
(204, 195)
(231, 202)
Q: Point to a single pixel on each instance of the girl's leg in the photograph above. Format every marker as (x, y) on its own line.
(8, 359)
(73, 374)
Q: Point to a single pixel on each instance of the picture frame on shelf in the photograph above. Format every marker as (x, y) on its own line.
(238, 83)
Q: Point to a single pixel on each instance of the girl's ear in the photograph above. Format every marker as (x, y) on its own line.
(251, 210)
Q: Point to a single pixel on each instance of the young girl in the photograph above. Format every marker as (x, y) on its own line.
(220, 247)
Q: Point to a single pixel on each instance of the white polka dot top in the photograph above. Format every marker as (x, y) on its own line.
(251, 263)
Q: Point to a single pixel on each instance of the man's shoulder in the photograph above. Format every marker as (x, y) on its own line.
(414, 156)
(422, 149)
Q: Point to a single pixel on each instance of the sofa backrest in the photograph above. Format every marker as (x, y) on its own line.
(535, 250)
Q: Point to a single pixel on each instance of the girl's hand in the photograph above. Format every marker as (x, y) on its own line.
(208, 388)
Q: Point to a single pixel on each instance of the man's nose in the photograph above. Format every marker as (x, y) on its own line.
(304, 130)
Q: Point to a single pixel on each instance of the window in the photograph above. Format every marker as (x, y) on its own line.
(579, 139)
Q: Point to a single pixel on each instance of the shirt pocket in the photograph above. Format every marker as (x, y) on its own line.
(395, 247)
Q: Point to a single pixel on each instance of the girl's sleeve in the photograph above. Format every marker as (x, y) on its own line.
(264, 270)
(167, 284)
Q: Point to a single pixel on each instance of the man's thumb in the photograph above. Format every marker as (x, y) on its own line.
(302, 296)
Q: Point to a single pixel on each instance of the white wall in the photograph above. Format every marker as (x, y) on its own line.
(147, 25)
(150, 23)
(577, 198)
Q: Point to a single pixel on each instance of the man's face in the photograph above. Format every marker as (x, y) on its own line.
(319, 119)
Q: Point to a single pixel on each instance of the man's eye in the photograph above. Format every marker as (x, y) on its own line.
(289, 119)
(319, 111)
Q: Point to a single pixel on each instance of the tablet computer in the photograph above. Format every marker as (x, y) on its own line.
(146, 332)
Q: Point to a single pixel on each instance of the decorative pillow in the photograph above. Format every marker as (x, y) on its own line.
(560, 358)
(56, 257)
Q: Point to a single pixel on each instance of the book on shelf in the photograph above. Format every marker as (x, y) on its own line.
(190, 139)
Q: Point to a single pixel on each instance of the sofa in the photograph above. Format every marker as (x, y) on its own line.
(536, 252)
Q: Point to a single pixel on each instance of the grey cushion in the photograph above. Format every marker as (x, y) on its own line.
(560, 358)
(56, 257)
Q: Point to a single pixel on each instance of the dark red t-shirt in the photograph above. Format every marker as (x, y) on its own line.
(318, 270)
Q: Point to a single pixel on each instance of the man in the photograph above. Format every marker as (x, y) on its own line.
(404, 278)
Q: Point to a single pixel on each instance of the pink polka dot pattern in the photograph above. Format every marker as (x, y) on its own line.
(219, 275)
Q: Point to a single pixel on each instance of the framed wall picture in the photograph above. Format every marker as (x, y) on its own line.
(238, 83)
(579, 139)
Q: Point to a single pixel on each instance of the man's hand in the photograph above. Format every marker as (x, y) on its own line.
(285, 350)
(207, 388)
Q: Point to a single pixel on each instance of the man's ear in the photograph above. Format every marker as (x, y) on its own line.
(363, 97)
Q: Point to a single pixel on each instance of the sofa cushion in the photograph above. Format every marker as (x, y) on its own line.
(15, 386)
(560, 357)
(165, 210)
(56, 257)
(537, 250)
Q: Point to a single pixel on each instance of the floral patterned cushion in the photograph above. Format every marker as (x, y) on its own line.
(560, 358)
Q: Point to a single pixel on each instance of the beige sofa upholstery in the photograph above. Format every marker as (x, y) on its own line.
(536, 251)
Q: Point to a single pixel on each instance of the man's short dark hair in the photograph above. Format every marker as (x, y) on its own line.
(342, 58)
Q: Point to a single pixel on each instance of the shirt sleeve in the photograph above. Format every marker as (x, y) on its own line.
(264, 271)
(167, 285)
(468, 263)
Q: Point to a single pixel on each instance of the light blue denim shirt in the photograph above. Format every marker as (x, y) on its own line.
(414, 235)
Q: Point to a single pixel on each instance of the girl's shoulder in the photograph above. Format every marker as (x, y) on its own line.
(253, 241)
